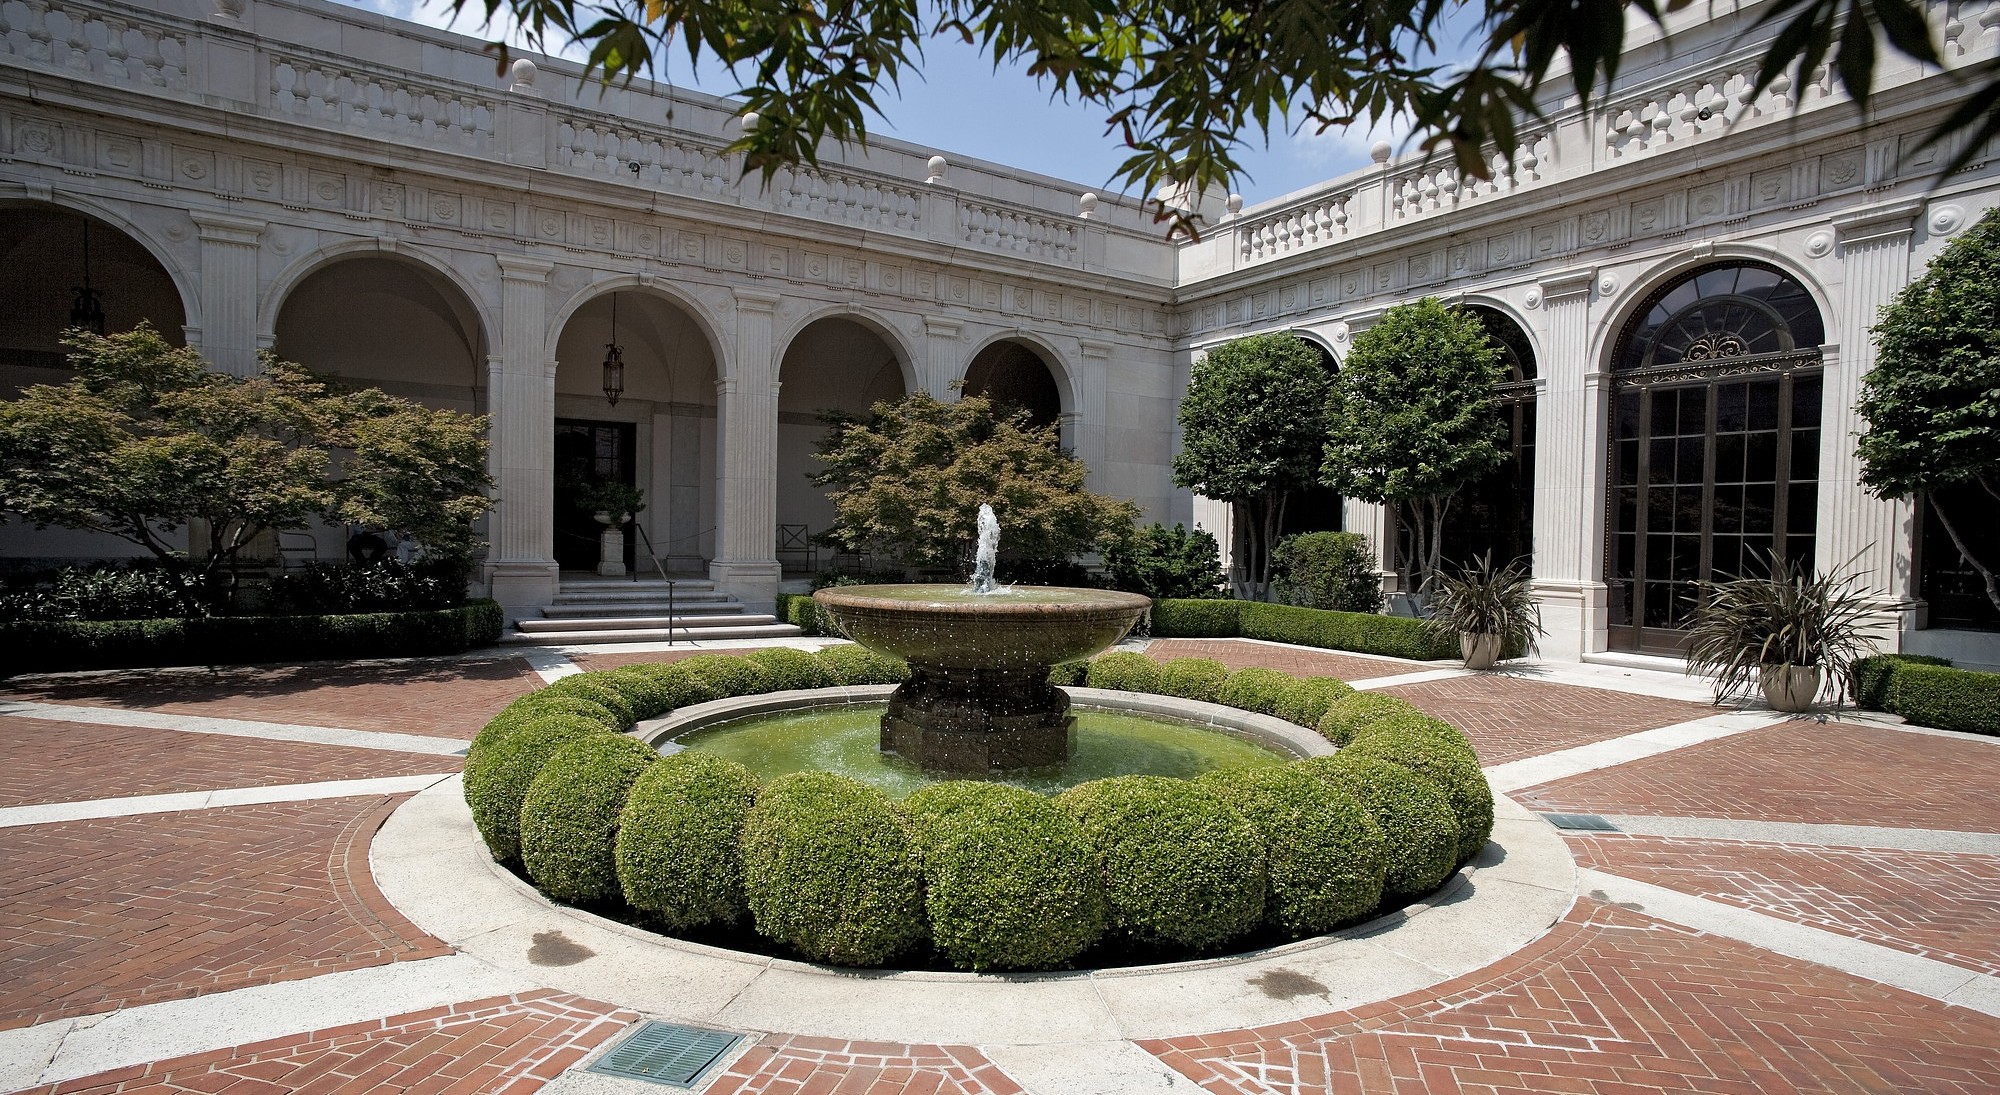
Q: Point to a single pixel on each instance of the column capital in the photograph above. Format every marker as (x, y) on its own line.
(216, 228)
(756, 300)
(1568, 285)
(523, 268)
(1881, 222)
(942, 328)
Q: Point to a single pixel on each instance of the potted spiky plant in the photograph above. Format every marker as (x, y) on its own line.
(1493, 612)
(1788, 634)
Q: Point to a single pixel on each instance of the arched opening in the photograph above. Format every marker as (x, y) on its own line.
(659, 436)
(1714, 443)
(1013, 373)
(1497, 514)
(834, 364)
(1316, 508)
(55, 264)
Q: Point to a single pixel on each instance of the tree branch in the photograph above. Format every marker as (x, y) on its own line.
(1985, 572)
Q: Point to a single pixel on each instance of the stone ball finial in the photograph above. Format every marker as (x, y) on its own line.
(524, 72)
(229, 10)
(937, 166)
(750, 120)
(1086, 206)
(1379, 152)
(1234, 204)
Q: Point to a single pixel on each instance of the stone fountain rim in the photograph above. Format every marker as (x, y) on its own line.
(1101, 600)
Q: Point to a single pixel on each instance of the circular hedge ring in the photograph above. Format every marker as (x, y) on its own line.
(1418, 830)
(827, 868)
(1180, 867)
(1324, 853)
(569, 820)
(679, 853)
(499, 769)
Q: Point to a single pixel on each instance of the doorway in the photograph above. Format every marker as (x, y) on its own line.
(588, 455)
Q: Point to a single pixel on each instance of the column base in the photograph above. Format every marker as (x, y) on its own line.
(1575, 617)
(522, 585)
(754, 583)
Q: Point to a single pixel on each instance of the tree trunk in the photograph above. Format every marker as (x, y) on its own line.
(1985, 572)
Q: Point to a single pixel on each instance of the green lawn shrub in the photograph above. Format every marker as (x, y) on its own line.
(1195, 619)
(1256, 689)
(499, 770)
(1068, 674)
(542, 703)
(1125, 671)
(1431, 752)
(1868, 678)
(1193, 679)
(1307, 701)
(1324, 853)
(597, 688)
(678, 686)
(1366, 632)
(787, 669)
(828, 868)
(644, 692)
(1009, 880)
(729, 674)
(852, 663)
(1348, 715)
(1326, 570)
(569, 819)
(1947, 698)
(679, 852)
(802, 612)
(1419, 832)
(1180, 867)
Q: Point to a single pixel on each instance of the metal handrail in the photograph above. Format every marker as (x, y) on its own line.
(654, 555)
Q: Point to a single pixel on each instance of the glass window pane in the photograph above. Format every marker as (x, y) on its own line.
(1694, 410)
(1757, 509)
(1802, 509)
(1688, 465)
(1764, 405)
(1628, 462)
(1761, 461)
(1659, 556)
(1729, 458)
(1662, 457)
(1805, 455)
(1666, 406)
(1731, 407)
(1806, 393)
(1728, 510)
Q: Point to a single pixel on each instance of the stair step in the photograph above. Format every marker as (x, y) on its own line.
(648, 635)
(610, 597)
(592, 585)
(627, 623)
(642, 608)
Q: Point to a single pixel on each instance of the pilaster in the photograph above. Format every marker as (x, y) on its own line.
(1570, 412)
(229, 290)
(521, 380)
(746, 519)
(941, 356)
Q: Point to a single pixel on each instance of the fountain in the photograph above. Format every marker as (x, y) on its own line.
(979, 699)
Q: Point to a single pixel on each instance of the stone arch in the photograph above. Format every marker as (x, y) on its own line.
(705, 320)
(43, 292)
(1495, 515)
(839, 360)
(1002, 365)
(288, 281)
(1604, 336)
(899, 346)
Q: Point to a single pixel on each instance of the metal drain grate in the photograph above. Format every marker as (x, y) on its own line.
(665, 1053)
(1580, 822)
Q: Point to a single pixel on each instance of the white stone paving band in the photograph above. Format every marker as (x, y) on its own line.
(85, 809)
(237, 728)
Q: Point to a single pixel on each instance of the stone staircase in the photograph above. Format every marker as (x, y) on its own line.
(619, 610)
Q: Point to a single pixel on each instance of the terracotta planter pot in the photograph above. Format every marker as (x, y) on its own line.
(1789, 687)
(1480, 651)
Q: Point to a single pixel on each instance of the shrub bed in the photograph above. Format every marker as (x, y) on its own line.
(499, 770)
(1349, 715)
(828, 868)
(677, 855)
(1255, 689)
(1327, 629)
(1438, 752)
(569, 817)
(1124, 671)
(1180, 867)
(1323, 851)
(1193, 679)
(1418, 831)
(802, 612)
(1306, 702)
(1928, 691)
(1195, 619)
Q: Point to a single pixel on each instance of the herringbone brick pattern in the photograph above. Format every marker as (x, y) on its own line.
(796, 1065)
(44, 761)
(1831, 774)
(1616, 1003)
(450, 699)
(1509, 718)
(1238, 654)
(103, 914)
(497, 1046)
(1940, 906)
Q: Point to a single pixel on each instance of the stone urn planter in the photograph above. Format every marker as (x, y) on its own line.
(1789, 687)
(610, 546)
(1481, 651)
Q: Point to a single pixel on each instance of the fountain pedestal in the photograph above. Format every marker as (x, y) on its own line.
(978, 720)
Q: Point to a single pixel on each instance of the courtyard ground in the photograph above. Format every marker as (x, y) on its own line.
(188, 904)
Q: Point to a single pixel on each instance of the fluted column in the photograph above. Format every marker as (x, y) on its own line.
(521, 556)
(1876, 534)
(941, 354)
(1569, 472)
(746, 519)
(229, 291)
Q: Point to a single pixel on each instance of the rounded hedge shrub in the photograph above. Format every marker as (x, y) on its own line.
(499, 770)
(643, 690)
(1349, 714)
(1307, 701)
(679, 854)
(1458, 776)
(678, 687)
(1125, 671)
(787, 669)
(543, 703)
(1324, 853)
(1256, 689)
(828, 868)
(569, 819)
(1009, 880)
(1419, 833)
(729, 674)
(1414, 724)
(1179, 866)
(1193, 678)
(596, 688)
(852, 663)
(1068, 674)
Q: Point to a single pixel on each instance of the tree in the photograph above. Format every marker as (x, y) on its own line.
(1932, 402)
(146, 441)
(1167, 562)
(910, 479)
(1250, 437)
(1411, 419)
(1186, 84)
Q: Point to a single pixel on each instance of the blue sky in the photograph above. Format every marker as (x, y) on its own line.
(960, 104)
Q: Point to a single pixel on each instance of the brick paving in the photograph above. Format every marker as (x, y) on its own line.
(1832, 773)
(1239, 654)
(451, 699)
(498, 1046)
(793, 1065)
(1615, 1002)
(108, 913)
(1509, 718)
(1942, 906)
(44, 761)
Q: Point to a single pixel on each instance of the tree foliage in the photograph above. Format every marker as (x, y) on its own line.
(1411, 419)
(1932, 402)
(910, 479)
(146, 441)
(1250, 435)
(1188, 84)
(1163, 562)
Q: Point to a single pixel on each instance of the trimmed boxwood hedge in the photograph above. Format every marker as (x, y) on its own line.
(1193, 679)
(1323, 851)
(569, 819)
(54, 645)
(1307, 701)
(1180, 867)
(1349, 715)
(802, 612)
(678, 855)
(1190, 619)
(837, 871)
(1928, 691)
(828, 868)
(1256, 689)
(1124, 671)
(1009, 880)
(1366, 632)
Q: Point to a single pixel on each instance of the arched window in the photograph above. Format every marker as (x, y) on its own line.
(1496, 514)
(1714, 443)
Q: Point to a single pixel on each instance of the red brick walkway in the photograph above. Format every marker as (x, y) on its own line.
(498, 1046)
(1509, 718)
(103, 914)
(788, 1065)
(1238, 654)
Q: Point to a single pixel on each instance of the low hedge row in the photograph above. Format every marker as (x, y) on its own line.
(984, 875)
(1928, 691)
(1365, 632)
(52, 645)
(802, 612)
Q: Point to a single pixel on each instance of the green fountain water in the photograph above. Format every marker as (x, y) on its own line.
(847, 740)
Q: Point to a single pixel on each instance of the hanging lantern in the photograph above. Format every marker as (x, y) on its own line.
(87, 310)
(614, 360)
